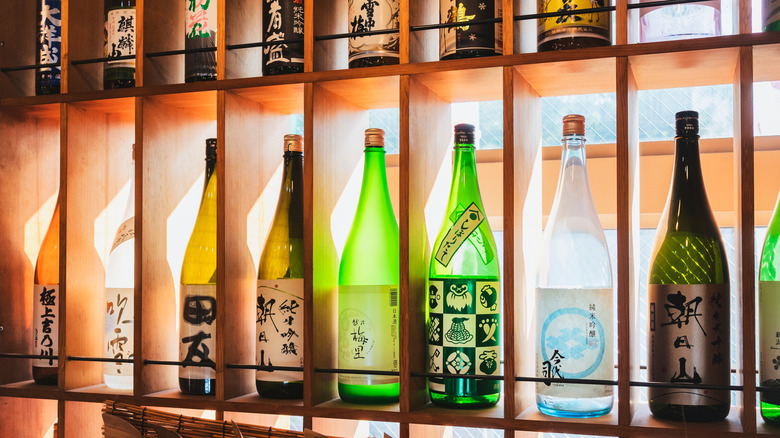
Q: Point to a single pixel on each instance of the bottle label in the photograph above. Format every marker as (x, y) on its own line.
(368, 333)
(771, 11)
(471, 37)
(283, 20)
(574, 340)
(465, 227)
(46, 321)
(125, 232)
(49, 39)
(769, 338)
(198, 330)
(464, 325)
(689, 342)
(280, 328)
(119, 335)
(120, 36)
(593, 25)
(371, 15)
(201, 18)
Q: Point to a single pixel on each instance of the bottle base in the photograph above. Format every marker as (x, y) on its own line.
(369, 394)
(118, 382)
(282, 69)
(770, 413)
(279, 390)
(45, 375)
(197, 386)
(469, 53)
(692, 413)
(373, 61)
(464, 402)
(574, 407)
(567, 43)
(200, 78)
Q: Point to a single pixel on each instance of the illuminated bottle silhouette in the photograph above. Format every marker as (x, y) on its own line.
(46, 303)
(768, 321)
(464, 293)
(368, 287)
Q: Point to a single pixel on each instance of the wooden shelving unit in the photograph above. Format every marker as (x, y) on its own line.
(79, 141)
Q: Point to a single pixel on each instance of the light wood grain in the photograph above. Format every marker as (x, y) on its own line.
(465, 85)
(571, 77)
(703, 67)
(19, 36)
(39, 415)
(330, 17)
(368, 93)
(423, 45)
(245, 20)
(82, 38)
(163, 30)
(80, 420)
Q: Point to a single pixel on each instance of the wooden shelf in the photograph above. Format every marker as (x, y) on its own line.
(79, 142)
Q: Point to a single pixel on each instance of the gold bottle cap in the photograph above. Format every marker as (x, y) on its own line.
(293, 142)
(574, 124)
(375, 138)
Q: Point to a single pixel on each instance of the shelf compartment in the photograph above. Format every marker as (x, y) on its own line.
(685, 69)
(644, 423)
(27, 416)
(564, 78)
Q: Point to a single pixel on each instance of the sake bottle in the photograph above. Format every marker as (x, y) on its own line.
(46, 304)
(464, 294)
(688, 295)
(280, 285)
(768, 322)
(198, 291)
(368, 288)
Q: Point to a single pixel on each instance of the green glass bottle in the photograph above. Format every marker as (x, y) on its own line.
(280, 285)
(368, 287)
(768, 322)
(198, 291)
(688, 295)
(464, 294)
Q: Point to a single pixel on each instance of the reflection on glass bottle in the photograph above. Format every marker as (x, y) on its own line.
(475, 39)
(464, 293)
(200, 32)
(46, 304)
(768, 321)
(283, 20)
(574, 300)
(688, 294)
(368, 287)
(369, 16)
(575, 31)
(280, 285)
(47, 79)
(120, 23)
(198, 291)
(677, 22)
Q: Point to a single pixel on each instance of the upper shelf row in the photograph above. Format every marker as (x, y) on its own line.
(159, 29)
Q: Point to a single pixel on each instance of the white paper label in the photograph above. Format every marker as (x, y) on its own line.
(372, 15)
(198, 330)
(368, 333)
(125, 232)
(574, 341)
(119, 335)
(200, 18)
(46, 321)
(280, 328)
(120, 36)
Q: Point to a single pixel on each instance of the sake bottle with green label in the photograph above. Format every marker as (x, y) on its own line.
(463, 306)
(768, 321)
(368, 288)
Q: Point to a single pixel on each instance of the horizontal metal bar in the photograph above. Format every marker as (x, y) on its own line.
(768, 389)
(99, 359)
(686, 386)
(565, 13)
(547, 380)
(456, 376)
(455, 24)
(338, 36)
(28, 67)
(262, 367)
(365, 372)
(26, 356)
(103, 59)
(179, 363)
(262, 44)
(180, 52)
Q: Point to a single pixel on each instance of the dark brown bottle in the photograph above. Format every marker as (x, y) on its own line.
(472, 40)
(577, 31)
(282, 20)
(120, 23)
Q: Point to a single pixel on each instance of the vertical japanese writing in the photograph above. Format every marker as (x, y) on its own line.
(279, 320)
(119, 330)
(283, 22)
(198, 331)
(199, 17)
(120, 35)
(48, 299)
(49, 33)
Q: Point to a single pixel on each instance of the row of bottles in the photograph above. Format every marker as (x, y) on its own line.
(688, 294)
(283, 25)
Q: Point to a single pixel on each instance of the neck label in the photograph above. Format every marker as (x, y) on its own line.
(464, 226)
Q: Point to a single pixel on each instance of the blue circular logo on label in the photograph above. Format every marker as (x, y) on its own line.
(571, 342)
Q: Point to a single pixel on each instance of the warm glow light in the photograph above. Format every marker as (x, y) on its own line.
(50, 433)
(437, 199)
(261, 216)
(209, 415)
(108, 221)
(35, 228)
(282, 422)
(344, 212)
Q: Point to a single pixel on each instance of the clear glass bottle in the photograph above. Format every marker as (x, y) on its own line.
(46, 303)
(283, 21)
(472, 40)
(577, 31)
(768, 321)
(464, 292)
(368, 287)
(48, 44)
(120, 22)
(200, 32)
(688, 294)
(368, 16)
(198, 291)
(119, 337)
(574, 295)
(280, 285)
(677, 22)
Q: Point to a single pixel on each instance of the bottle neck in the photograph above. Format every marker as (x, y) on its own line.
(464, 187)
(688, 205)
(130, 206)
(291, 194)
(374, 189)
(573, 177)
(211, 165)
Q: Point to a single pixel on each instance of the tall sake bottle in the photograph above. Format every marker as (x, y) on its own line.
(280, 285)
(198, 291)
(768, 321)
(46, 303)
(368, 288)
(688, 294)
(464, 293)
